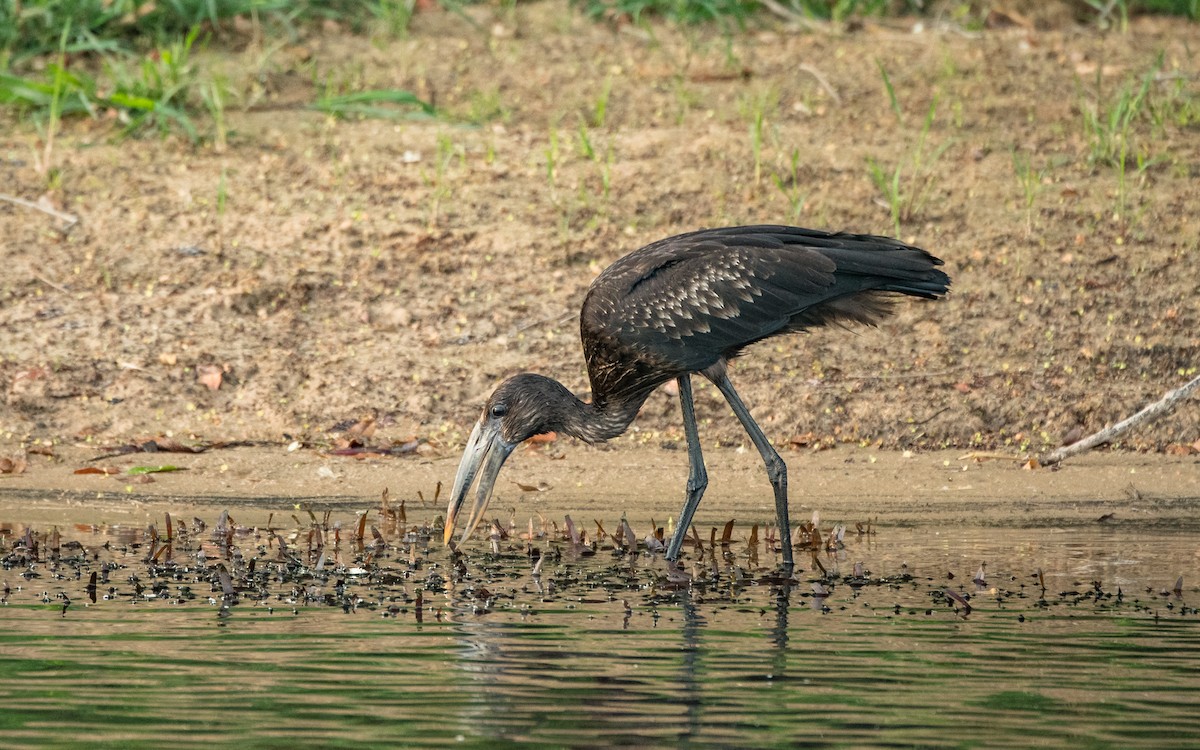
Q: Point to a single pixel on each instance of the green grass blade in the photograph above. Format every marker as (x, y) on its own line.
(131, 101)
(378, 103)
(891, 91)
(140, 470)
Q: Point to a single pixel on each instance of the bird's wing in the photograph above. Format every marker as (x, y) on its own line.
(683, 303)
(695, 298)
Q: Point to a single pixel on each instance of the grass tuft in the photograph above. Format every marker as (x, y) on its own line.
(908, 185)
(1109, 121)
(681, 11)
(1029, 178)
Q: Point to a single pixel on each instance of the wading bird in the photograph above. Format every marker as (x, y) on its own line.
(689, 304)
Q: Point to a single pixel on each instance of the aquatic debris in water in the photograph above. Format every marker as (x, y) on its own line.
(980, 578)
(954, 596)
(310, 564)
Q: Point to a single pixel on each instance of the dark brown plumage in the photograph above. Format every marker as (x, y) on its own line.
(689, 304)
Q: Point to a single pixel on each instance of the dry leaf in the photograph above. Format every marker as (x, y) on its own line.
(12, 465)
(33, 373)
(170, 445)
(209, 375)
(802, 441)
(104, 471)
(364, 428)
(539, 487)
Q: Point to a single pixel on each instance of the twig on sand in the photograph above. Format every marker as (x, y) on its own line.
(50, 283)
(556, 319)
(823, 81)
(1160, 407)
(69, 220)
(990, 456)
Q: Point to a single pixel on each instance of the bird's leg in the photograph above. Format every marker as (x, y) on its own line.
(697, 476)
(776, 468)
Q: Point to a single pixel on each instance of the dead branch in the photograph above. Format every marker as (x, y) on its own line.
(1157, 409)
(68, 220)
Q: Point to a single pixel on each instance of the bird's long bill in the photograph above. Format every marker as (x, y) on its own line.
(485, 450)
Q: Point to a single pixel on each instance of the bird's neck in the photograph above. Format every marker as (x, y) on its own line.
(596, 422)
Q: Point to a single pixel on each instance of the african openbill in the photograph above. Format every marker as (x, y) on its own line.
(689, 304)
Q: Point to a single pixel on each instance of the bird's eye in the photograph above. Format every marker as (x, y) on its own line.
(499, 410)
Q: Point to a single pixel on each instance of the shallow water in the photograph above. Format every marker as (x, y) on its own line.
(404, 643)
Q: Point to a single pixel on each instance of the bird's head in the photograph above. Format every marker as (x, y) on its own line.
(519, 409)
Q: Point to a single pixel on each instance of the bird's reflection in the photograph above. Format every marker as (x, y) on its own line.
(690, 666)
(779, 632)
(609, 675)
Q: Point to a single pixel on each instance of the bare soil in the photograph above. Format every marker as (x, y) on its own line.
(314, 273)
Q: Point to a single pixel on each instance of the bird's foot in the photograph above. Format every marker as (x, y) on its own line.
(676, 573)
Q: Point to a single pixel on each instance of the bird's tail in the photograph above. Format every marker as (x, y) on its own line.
(863, 262)
(935, 286)
(886, 265)
(868, 272)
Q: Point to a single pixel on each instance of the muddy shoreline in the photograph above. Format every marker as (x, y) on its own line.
(846, 485)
